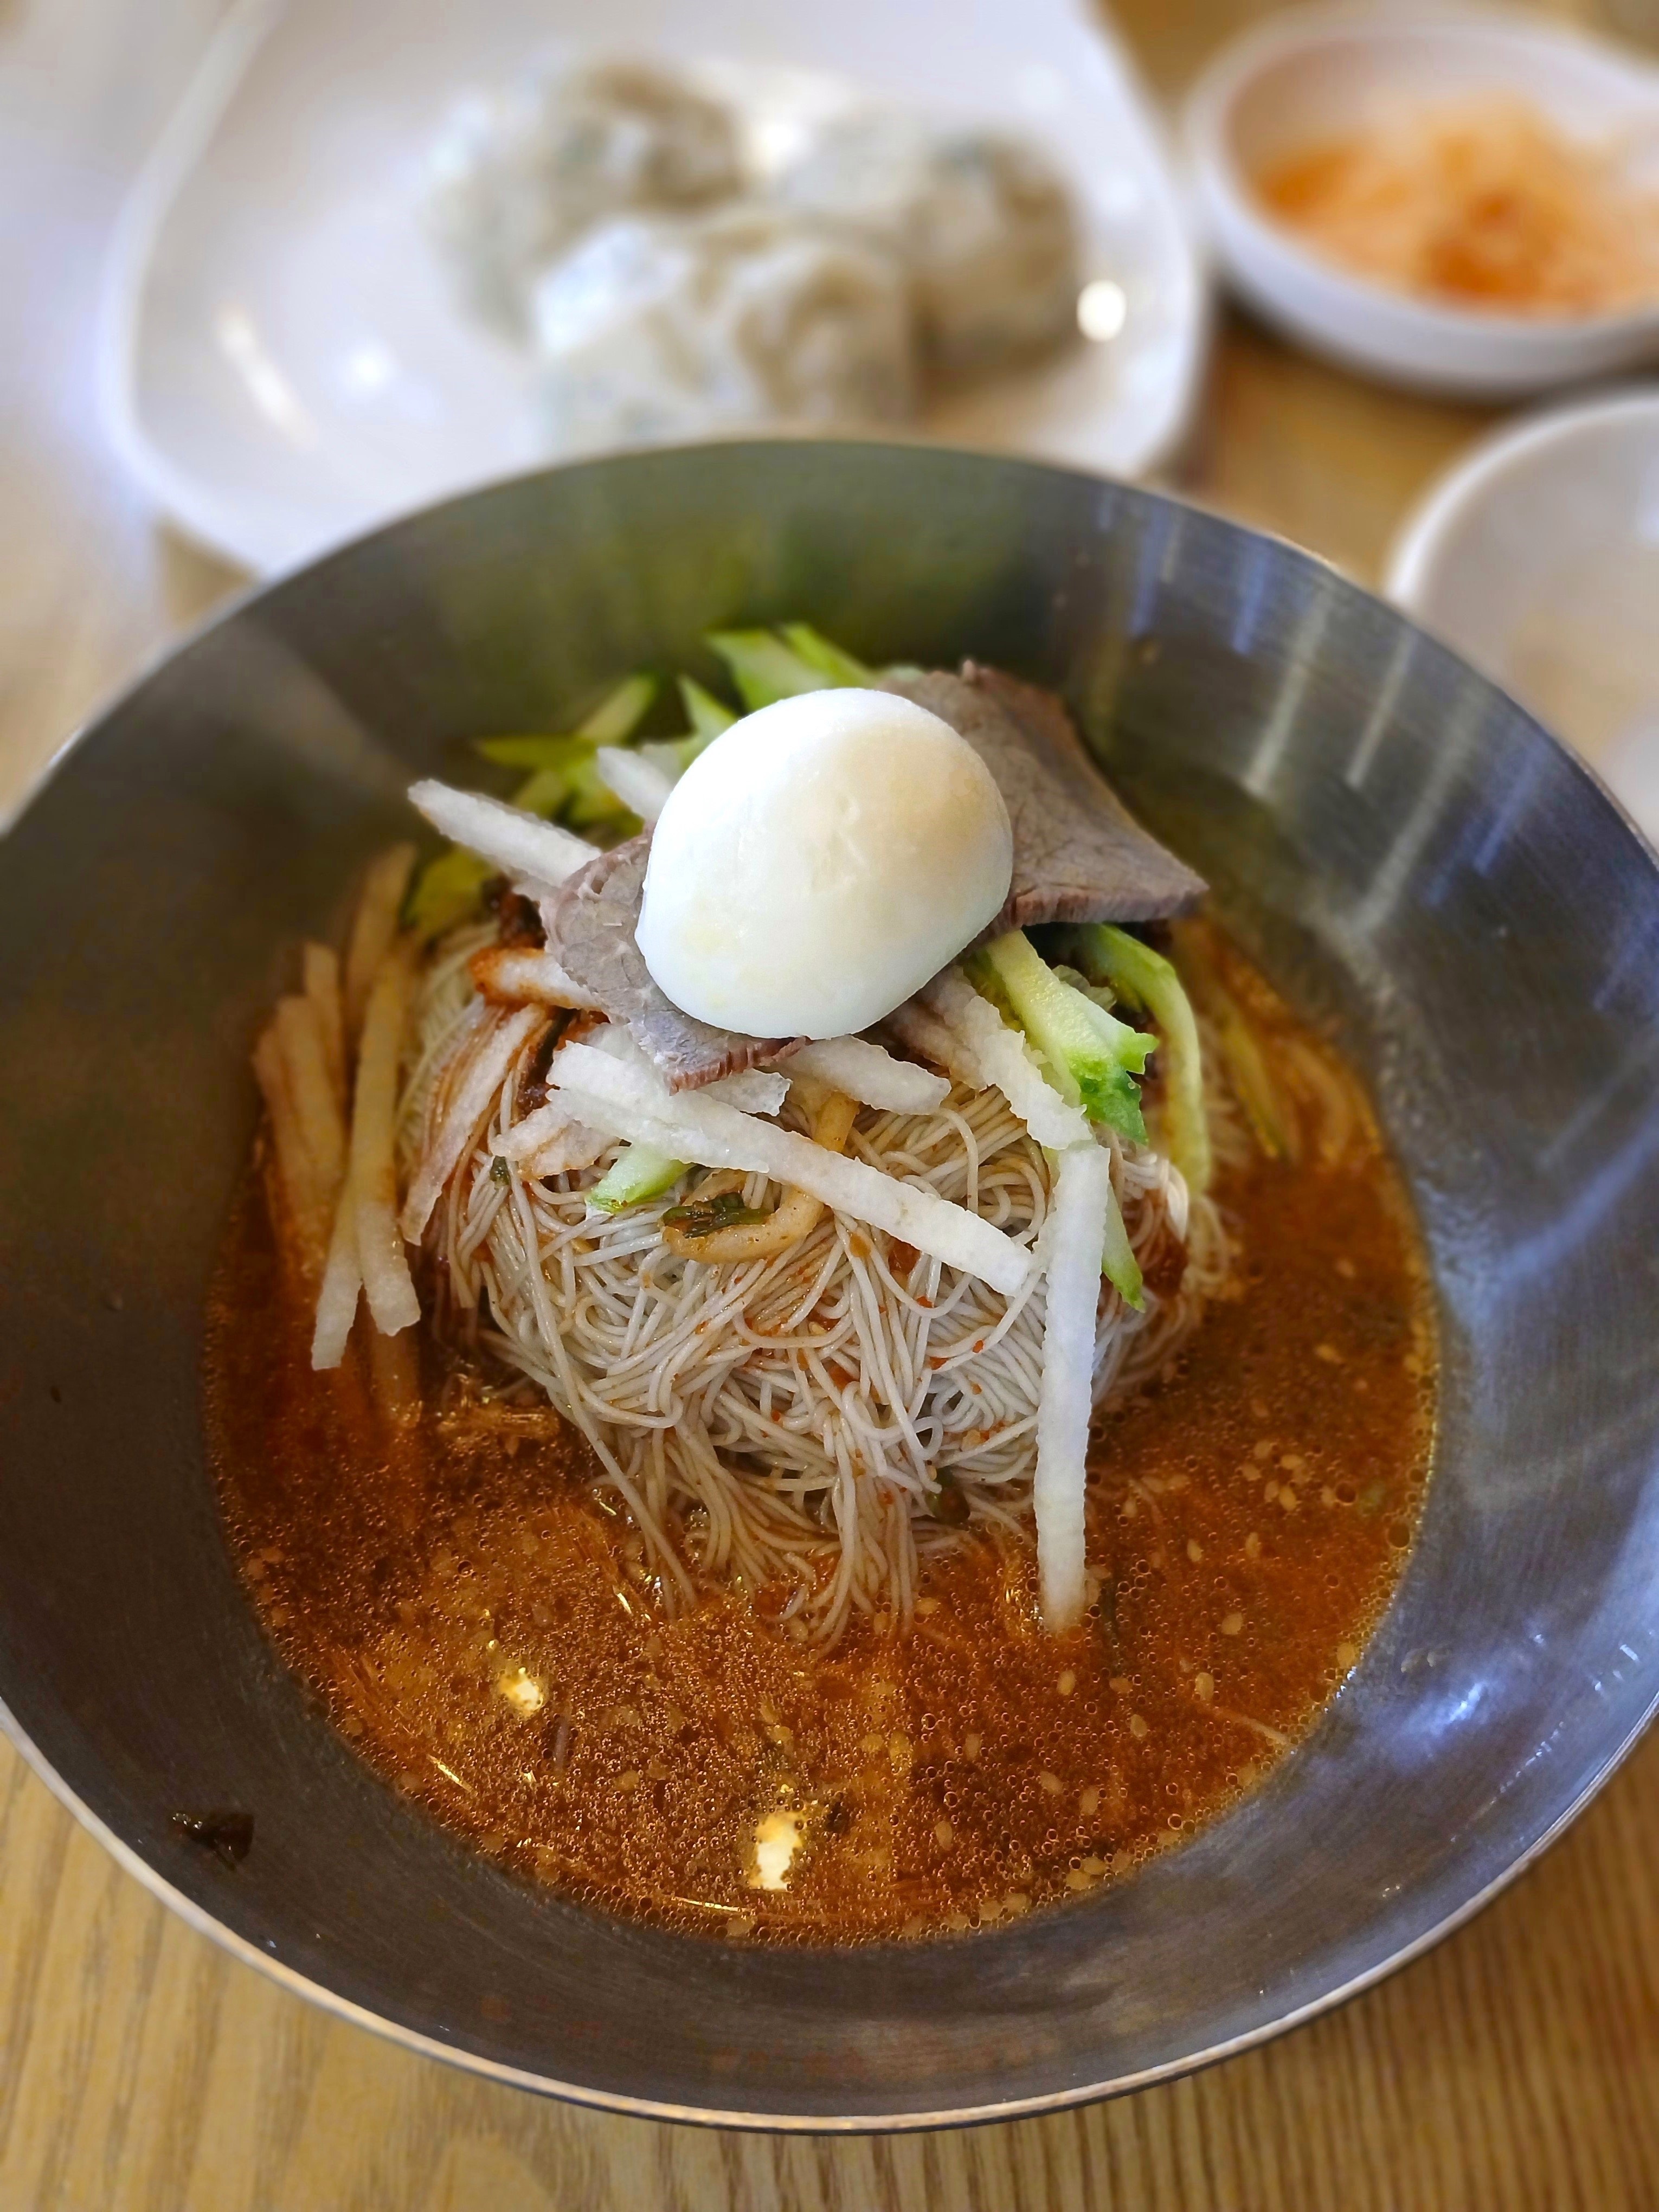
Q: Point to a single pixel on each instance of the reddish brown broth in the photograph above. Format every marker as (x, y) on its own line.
(480, 1626)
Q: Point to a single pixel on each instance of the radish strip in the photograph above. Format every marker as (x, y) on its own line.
(863, 1071)
(1005, 1059)
(373, 928)
(336, 1301)
(575, 1146)
(750, 1090)
(466, 1110)
(916, 1025)
(373, 1181)
(639, 784)
(508, 975)
(519, 843)
(609, 1093)
(1076, 1232)
(322, 988)
(311, 1089)
(307, 1210)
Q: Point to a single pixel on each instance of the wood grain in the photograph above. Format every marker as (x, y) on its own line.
(141, 2069)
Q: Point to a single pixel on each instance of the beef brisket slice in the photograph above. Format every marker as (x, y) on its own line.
(1080, 854)
(591, 925)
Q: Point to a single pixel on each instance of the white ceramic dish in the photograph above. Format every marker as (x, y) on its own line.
(1317, 72)
(1538, 559)
(282, 366)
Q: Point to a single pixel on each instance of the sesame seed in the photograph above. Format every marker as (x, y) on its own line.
(1287, 1498)
(1137, 1728)
(1195, 1550)
(1066, 1683)
(970, 1745)
(1120, 1683)
(1253, 1546)
(872, 1744)
(944, 1835)
(1233, 1625)
(1076, 1879)
(927, 1605)
(1346, 1655)
(1329, 1353)
(1088, 1802)
(1050, 1784)
(1203, 1687)
(1270, 1490)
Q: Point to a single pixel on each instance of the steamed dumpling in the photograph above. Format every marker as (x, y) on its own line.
(662, 329)
(982, 222)
(523, 171)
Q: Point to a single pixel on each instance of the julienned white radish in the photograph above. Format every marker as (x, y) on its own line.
(640, 785)
(1005, 1060)
(310, 1087)
(515, 976)
(863, 1071)
(575, 1146)
(1074, 1235)
(337, 1301)
(307, 1207)
(750, 1090)
(917, 1026)
(374, 1174)
(690, 1125)
(477, 1095)
(518, 843)
(322, 985)
(373, 927)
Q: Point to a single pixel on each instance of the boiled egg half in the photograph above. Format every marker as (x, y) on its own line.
(819, 863)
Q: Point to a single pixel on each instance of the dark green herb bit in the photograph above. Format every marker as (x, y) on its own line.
(701, 1217)
(949, 1504)
(499, 1171)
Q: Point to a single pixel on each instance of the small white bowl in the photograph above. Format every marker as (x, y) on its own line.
(1319, 72)
(1538, 559)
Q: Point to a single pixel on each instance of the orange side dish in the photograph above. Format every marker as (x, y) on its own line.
(1481, 203)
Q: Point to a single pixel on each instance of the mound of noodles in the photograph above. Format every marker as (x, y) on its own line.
(808, 1425)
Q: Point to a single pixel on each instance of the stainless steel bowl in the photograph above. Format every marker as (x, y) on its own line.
(1409, 854)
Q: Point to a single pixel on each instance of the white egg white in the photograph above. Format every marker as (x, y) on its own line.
(819, 863)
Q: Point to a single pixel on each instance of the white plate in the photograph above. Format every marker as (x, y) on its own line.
(1538, 559)
(1318, 71)
(283, 368)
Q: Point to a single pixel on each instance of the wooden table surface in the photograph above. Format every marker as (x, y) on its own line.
(1517, 2065)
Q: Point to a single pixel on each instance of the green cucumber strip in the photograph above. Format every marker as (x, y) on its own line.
(535, 752)
(618, 717)
(1118, 1262)
(764, 669)
(1151, 982)
(640, 1173)
(708, 717)
(1092, 1058)
(445, 891)
(818, 652)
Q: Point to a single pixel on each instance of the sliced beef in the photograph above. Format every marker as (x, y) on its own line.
(590, 932)
(1080, 854)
